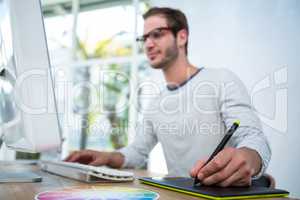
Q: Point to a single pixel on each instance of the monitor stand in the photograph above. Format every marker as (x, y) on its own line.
(19, 177)
(15, 175)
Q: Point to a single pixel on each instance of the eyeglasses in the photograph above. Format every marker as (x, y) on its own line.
(154, 34)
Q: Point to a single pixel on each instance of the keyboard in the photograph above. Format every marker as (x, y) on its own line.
(86, 173)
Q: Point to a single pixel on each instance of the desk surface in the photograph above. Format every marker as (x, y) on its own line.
(27, 191)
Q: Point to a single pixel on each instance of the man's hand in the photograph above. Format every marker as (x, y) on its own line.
(230, 167)
(96, 158)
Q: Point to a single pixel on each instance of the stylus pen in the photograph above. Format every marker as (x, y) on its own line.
(220, 146)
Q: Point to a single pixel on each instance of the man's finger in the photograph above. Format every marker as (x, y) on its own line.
(242, 183)
(216, 164)
(194, 171)
(83, 156)
(75, 157)
(240, 178)
(67, 159)
(98, 162)
(223, 174)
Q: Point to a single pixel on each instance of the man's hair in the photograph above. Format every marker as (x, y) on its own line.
(176, 19)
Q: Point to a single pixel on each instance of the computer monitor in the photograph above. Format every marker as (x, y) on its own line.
(28, 111)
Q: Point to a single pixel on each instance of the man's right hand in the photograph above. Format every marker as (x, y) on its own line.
(97, 158)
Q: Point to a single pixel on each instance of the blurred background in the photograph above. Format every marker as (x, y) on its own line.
(97, 61)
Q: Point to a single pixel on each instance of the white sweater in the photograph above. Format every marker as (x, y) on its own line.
(189, 121)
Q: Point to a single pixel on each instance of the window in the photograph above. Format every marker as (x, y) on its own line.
(93, 89)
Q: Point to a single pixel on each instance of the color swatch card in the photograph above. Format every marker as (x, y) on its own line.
(98, 193)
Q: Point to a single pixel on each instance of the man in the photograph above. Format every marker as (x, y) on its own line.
(191, 115)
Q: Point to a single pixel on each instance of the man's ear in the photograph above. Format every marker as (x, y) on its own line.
(182, 38)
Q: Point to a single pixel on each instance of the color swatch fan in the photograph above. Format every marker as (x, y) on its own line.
(98, 193)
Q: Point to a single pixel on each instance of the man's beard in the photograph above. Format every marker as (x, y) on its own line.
(171, 55)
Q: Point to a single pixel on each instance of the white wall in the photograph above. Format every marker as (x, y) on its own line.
(259, 41)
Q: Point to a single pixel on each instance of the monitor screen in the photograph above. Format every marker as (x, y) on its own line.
(28, 111)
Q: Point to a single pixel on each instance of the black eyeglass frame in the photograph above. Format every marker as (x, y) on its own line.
(143, 38)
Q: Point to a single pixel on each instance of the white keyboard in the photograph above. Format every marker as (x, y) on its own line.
(86, 173)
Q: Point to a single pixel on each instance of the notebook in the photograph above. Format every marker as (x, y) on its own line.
(185, 185)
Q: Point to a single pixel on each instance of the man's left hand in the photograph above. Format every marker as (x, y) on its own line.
(230, 167)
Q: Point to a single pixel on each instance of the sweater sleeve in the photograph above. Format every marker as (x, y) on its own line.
(236, 105)
(136, 154)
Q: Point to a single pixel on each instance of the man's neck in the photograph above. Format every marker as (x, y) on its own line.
(178, 71)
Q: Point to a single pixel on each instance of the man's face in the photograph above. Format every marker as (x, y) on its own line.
(160, 47)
